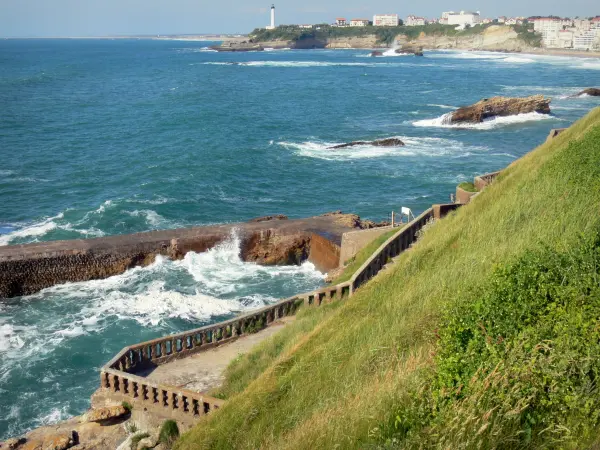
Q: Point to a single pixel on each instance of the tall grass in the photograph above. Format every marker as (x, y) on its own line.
(346, 383)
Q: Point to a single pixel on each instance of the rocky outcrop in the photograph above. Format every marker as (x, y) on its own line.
(498, 107)
(243, 46)
(390, 142)
(57, 441)
(106, 413)
(269, 249)
(410, 49)
(376, 53)
(592, 92)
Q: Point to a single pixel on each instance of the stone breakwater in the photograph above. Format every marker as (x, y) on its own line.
(28, 268)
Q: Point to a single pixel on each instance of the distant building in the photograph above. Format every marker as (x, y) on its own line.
(385, 20)
(549, 28)
(502, 19)
(341, 22)
(413, 21)
(359, 22)
(305, 26)
(565, 39)
(486, 20)
(464, 18)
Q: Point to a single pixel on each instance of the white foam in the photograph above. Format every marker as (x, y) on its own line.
(518, 60)
(496, 122)
(152, 217)
(414, 146)
(32, 231)
(442, 106)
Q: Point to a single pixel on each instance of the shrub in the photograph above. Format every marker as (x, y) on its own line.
(169, 432)
(127, 406)
(466, 186)
(135, 440)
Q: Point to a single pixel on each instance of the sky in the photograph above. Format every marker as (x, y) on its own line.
(47, 18)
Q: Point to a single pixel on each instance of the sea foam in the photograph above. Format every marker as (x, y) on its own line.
(488, 124)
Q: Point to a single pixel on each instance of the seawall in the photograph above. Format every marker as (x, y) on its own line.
(29, 268)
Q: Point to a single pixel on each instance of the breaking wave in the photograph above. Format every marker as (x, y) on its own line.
(44, 333)
(489, 124)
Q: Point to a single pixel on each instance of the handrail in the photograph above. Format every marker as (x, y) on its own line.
(118, 375)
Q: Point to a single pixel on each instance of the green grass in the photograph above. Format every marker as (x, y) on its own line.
(354, 263)
(467, 186)
(136, 438)
(378, 370)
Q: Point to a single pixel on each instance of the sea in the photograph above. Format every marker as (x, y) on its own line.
(101, 137)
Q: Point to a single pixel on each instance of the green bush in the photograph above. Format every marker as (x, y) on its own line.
(169, 432)
(135, 440)
(518, 360)
(127, 406)
(466, 186)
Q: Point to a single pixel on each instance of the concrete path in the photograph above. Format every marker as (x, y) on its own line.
(205, 371)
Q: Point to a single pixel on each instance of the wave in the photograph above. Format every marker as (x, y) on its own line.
(414, 146)
(518, 60)
(442, 106)
(488, 124)
(34, 230)
(302, 64)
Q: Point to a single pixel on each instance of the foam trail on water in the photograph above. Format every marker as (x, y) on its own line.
(414, 146)
(489, 124)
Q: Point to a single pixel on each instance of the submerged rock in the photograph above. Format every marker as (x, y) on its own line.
(376, 53)
(389, 142)
(267, 218)
(498, 107)
(592, 92)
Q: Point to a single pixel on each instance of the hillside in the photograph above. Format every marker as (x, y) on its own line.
(484, 335)
(491, 37)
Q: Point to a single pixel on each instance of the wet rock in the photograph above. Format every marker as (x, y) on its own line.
(498, 107)
(270, 249)
(244, 46)
(106, 413)
(376, 53)
(267, 218)
(409, 49)
(390, 142)
(592, 92)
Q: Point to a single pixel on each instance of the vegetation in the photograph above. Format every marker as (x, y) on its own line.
(385, 35)
(478, 339)
(526, 34)
(136, 438)
(169, 432)
(467, 186)
(127, 406)
(354, 263)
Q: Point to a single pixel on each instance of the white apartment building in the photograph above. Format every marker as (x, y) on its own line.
(359, 22)
(549, 29)
(305, 26)
(587, 40)
(464, 18)
(413, 21)
(565, 39)
(385, 20)
(341, 22)
(502, 19)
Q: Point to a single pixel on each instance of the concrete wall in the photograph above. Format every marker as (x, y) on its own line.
(355, 241)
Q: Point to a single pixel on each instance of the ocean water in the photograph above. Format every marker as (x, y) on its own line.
(103, 137)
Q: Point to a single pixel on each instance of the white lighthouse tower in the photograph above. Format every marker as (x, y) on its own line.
(272, 26)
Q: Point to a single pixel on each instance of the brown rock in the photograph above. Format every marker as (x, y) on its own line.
(592, 92)
(60, 441)
(269, 248)
(376, 53)
(389, 142)
(13, 443)
(106, 413)
(408, 49)
(267, 218)
(499, 107)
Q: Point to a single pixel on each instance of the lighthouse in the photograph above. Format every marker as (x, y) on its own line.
(272, 26)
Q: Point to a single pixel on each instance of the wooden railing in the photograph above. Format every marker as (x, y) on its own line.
(118, 375)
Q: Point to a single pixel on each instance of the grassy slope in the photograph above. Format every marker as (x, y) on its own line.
(355, 263)
(344, 379)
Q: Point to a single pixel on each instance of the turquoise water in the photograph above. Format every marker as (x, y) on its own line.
(102, 137)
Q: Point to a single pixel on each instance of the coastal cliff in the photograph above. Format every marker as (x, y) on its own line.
(493, 37)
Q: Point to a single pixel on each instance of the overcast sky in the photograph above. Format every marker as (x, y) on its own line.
(38, 18)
